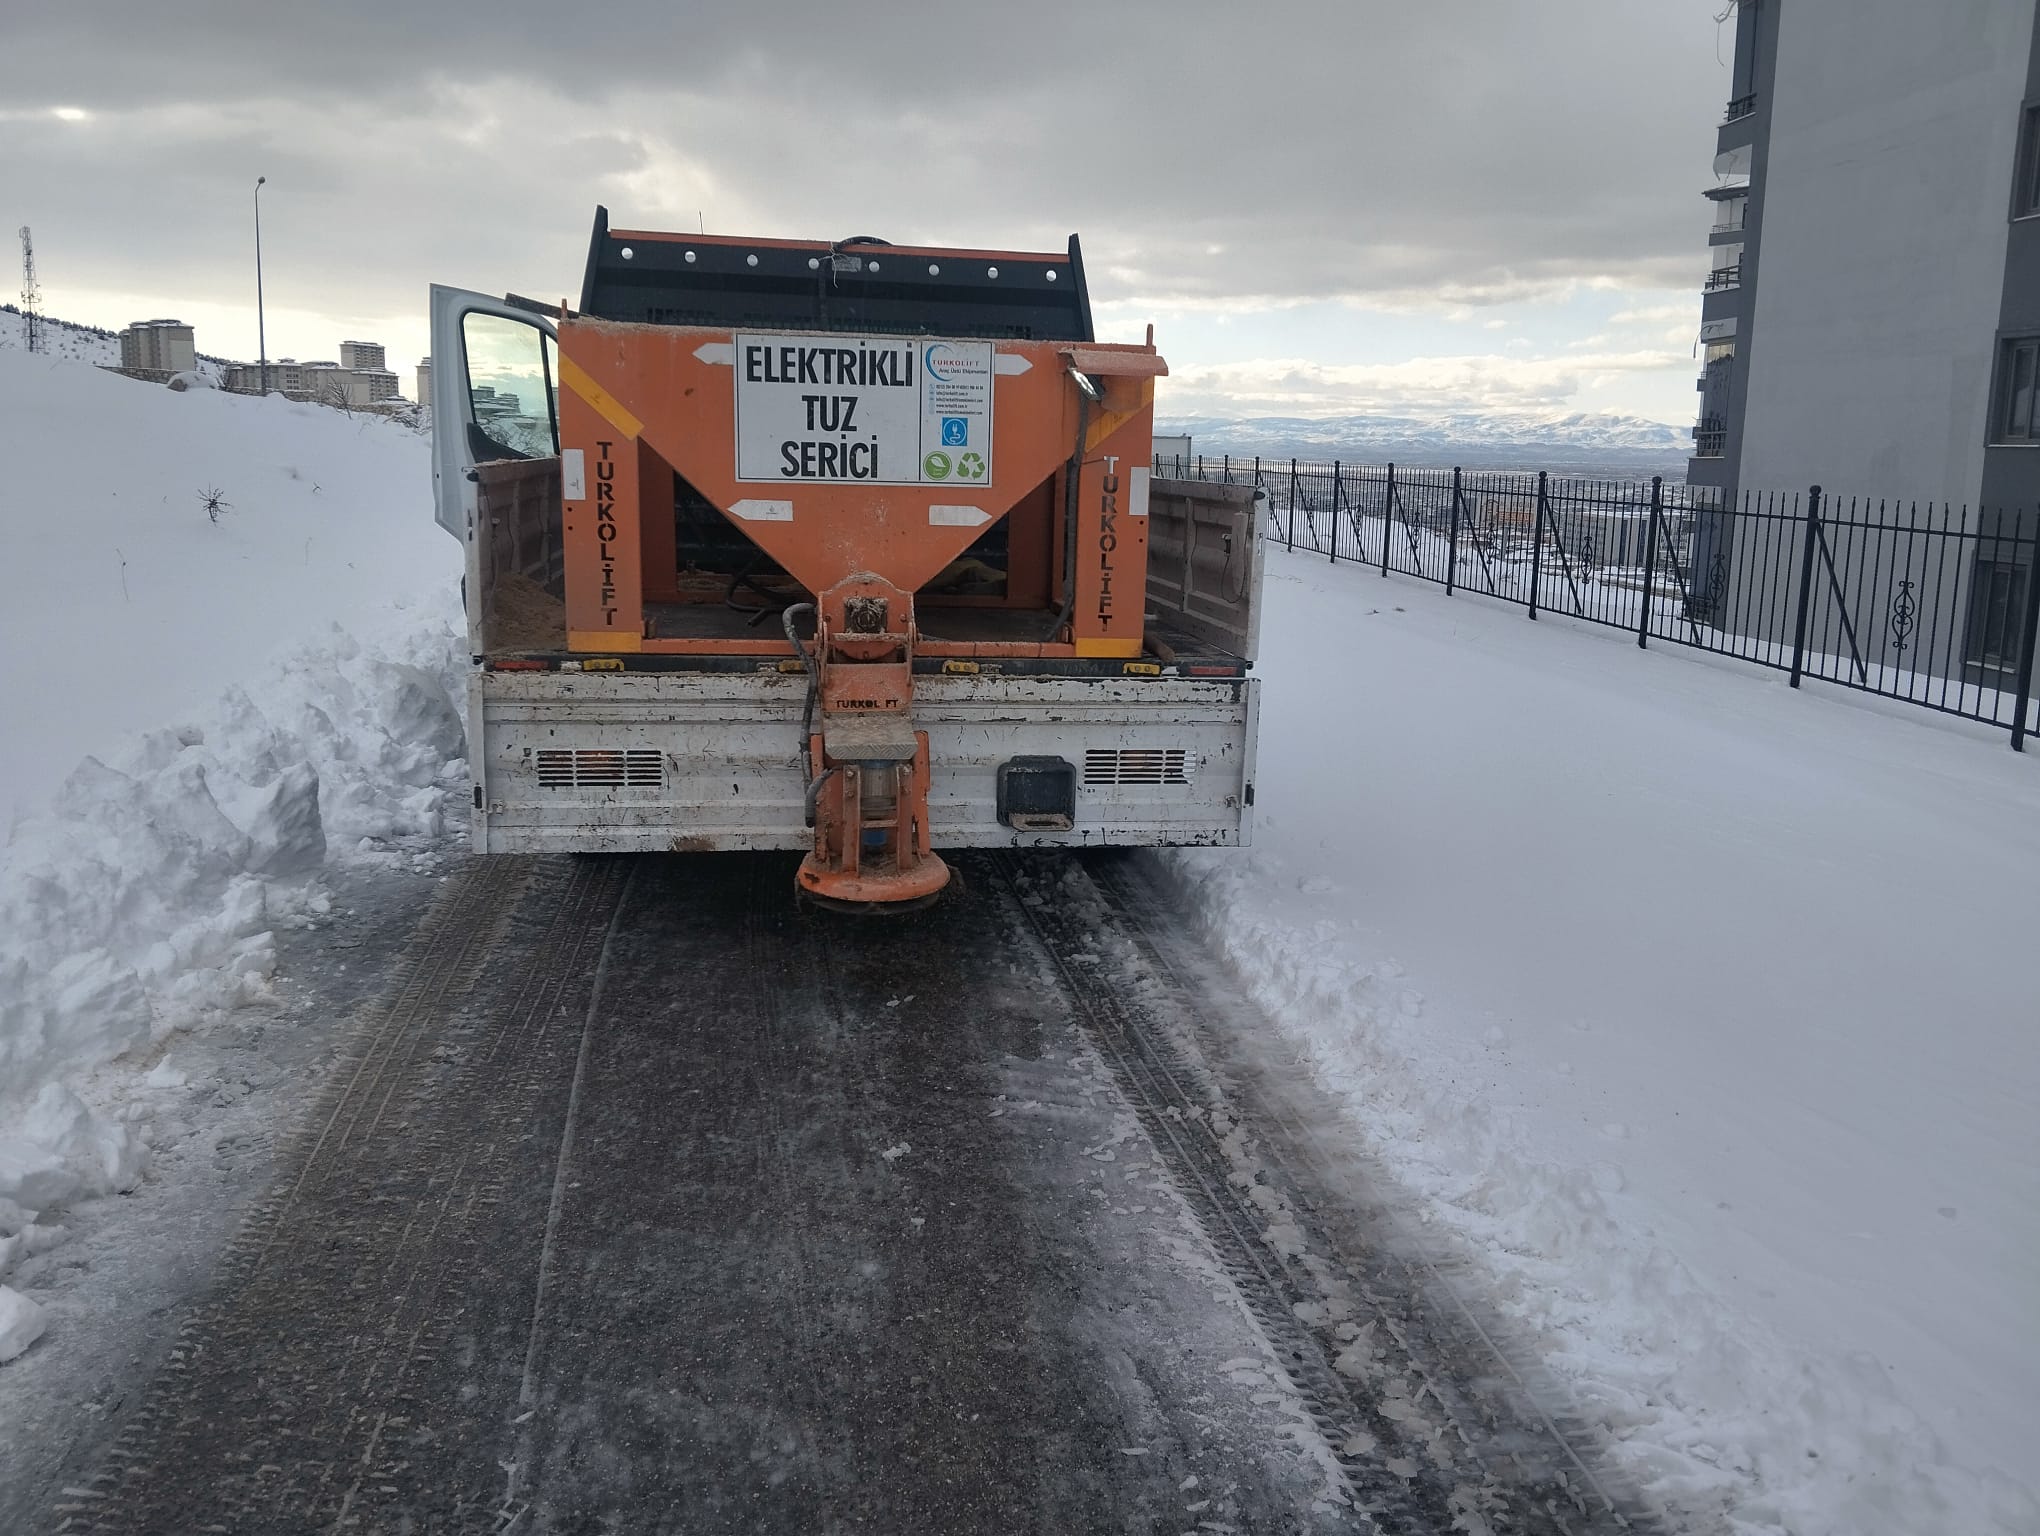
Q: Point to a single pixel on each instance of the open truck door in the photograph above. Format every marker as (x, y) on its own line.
(495, 442)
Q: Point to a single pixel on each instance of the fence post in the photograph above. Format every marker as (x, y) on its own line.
(1292, 523)
(1657, 506)
(1331, 519)
(1537, 545)
(1452, 537)
(2022, 689)
(1387, 516)
(1810, 534)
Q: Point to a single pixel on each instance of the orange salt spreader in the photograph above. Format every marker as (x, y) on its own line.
(922, 452)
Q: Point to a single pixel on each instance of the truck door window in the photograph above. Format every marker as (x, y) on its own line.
(510, 380)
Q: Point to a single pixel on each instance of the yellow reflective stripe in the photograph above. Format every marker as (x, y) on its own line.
(604, 640)
(611, 409)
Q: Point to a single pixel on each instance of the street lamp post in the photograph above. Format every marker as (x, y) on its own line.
(261, 331)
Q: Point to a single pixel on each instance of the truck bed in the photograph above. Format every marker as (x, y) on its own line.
(678, 750)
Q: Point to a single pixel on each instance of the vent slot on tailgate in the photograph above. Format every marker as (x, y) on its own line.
(600, 768)
(1136, 765)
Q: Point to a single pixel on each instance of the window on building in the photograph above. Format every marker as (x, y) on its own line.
(2026, 196)
(2018, 384)
(1995, 613)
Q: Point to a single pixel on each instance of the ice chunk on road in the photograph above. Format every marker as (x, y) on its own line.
(21, 1323)
(59, 1149)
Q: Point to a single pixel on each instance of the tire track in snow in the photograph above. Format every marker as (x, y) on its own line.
(306, 1393)
(1406, 1401)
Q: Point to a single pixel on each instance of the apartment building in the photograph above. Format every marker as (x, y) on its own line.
(285, 376)
(1870, 319)
(357, 379)
(1874, 287)
(158, 347)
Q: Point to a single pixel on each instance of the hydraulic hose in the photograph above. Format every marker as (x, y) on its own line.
(814, 676)
(1070, 473)
(814, 790)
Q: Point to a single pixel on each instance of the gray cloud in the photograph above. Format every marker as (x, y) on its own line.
(1459, 152)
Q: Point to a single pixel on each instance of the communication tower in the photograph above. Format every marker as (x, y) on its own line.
(31, 297)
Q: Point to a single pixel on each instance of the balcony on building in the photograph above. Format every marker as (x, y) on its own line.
(1738, 131)
(1731, 212)
(1727, 270)
(1710, 438)
(1717, 380)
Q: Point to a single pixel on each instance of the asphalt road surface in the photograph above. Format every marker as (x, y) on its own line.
(646, 1201)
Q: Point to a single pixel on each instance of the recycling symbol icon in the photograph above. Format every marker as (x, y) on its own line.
(970, 466)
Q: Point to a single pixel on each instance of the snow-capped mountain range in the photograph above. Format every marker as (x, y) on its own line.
(1578, 444)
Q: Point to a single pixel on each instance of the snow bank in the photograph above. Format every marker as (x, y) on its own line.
(1692, 1005)
(144, 900)
(138, 605)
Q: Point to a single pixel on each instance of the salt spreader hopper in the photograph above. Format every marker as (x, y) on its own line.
(844, 546)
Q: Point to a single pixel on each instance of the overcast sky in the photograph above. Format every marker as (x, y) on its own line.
(1323, 205)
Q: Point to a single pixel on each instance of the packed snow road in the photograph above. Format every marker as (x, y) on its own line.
(645, 1201)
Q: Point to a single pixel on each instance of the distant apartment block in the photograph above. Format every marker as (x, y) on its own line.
(158, 347)
(358, 379)
(1870, 318)
(281, 375)
(331, 384)
(424, 386)
(362, 354)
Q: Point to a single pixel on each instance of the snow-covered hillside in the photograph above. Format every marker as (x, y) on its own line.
(1573, 444)
(61, 339)
(1697, 1007)
(218, 706)
(136, 602)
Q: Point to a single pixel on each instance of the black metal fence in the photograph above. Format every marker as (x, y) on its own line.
(1933, 605)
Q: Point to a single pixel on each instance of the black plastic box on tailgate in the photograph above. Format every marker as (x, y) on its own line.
(861, 284)
(1037, 794)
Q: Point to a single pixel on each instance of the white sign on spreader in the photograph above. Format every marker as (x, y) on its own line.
(870, 410)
